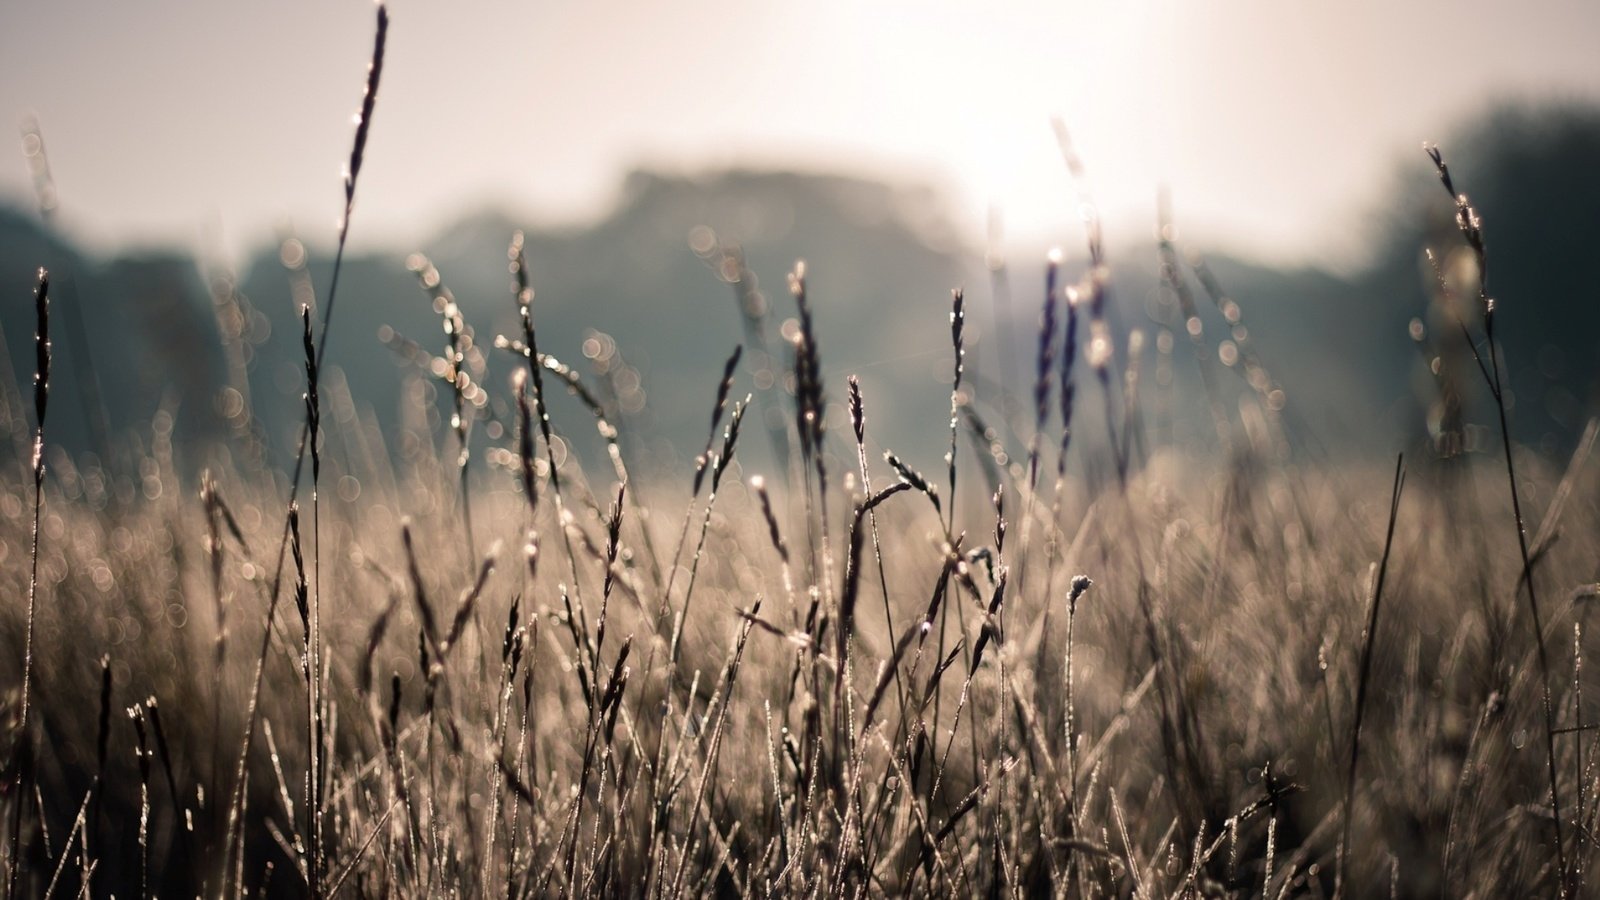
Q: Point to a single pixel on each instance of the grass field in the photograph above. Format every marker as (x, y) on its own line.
(1073, 662)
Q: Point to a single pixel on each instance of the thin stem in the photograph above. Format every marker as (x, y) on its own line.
(1366, 673)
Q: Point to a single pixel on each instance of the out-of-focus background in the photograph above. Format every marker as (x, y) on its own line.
(194, 154)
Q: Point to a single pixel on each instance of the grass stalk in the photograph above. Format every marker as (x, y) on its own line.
(1363, 678)
(351, 178)
(21, 785)
(1470, 224)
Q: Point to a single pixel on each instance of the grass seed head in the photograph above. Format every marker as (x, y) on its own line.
(41, 346)
(369, 100)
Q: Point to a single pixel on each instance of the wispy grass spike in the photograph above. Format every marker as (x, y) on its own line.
(914, 478)
(312, 398)
(526, 463)
(41, 346)
(1362, 681)
(1470, 224)
(958, 321)
(369, 100)
(1068, 389)
(723, 387)
(41, 399)
(358, 154)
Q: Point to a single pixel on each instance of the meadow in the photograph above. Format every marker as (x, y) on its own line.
(1073, 661)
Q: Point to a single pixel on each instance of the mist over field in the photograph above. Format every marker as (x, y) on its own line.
(883, 259)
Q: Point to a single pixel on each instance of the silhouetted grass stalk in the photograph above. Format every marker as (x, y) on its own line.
(713, 753)
(719, 465)
(1067, 396)
(958, 321)
(21, 787)
(1470, 224)
(315, 724)
(353, 171)
(702, 464)
(858, 427)
(357, 155)
(536, 365)
(1043, 372)
(809, 423)
(1101, 352)
(136, 713)
(1080, 586)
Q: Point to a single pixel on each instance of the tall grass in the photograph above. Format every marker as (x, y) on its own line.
(1470, 223)
(20, 766)
(1169, 717)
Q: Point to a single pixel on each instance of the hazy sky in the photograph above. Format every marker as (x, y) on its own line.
(1275, 123)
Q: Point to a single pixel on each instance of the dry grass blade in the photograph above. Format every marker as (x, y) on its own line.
(369, 99)
(808, 384)
(1364, 678)
(358, 154)
(890, 668)
(798, 638)
(913, 478)
(723, 387)
(702, 464)
(469, 602)
(430, 624)
(78, 826)
(990, 628)
(714, 751)
(136, 714)
(759, 485)
(41, 402)
(1044, 368)
(853, 563)
(1470, 224)
(41, 398)
(958, 321)
(730, 442)
(361, 852)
